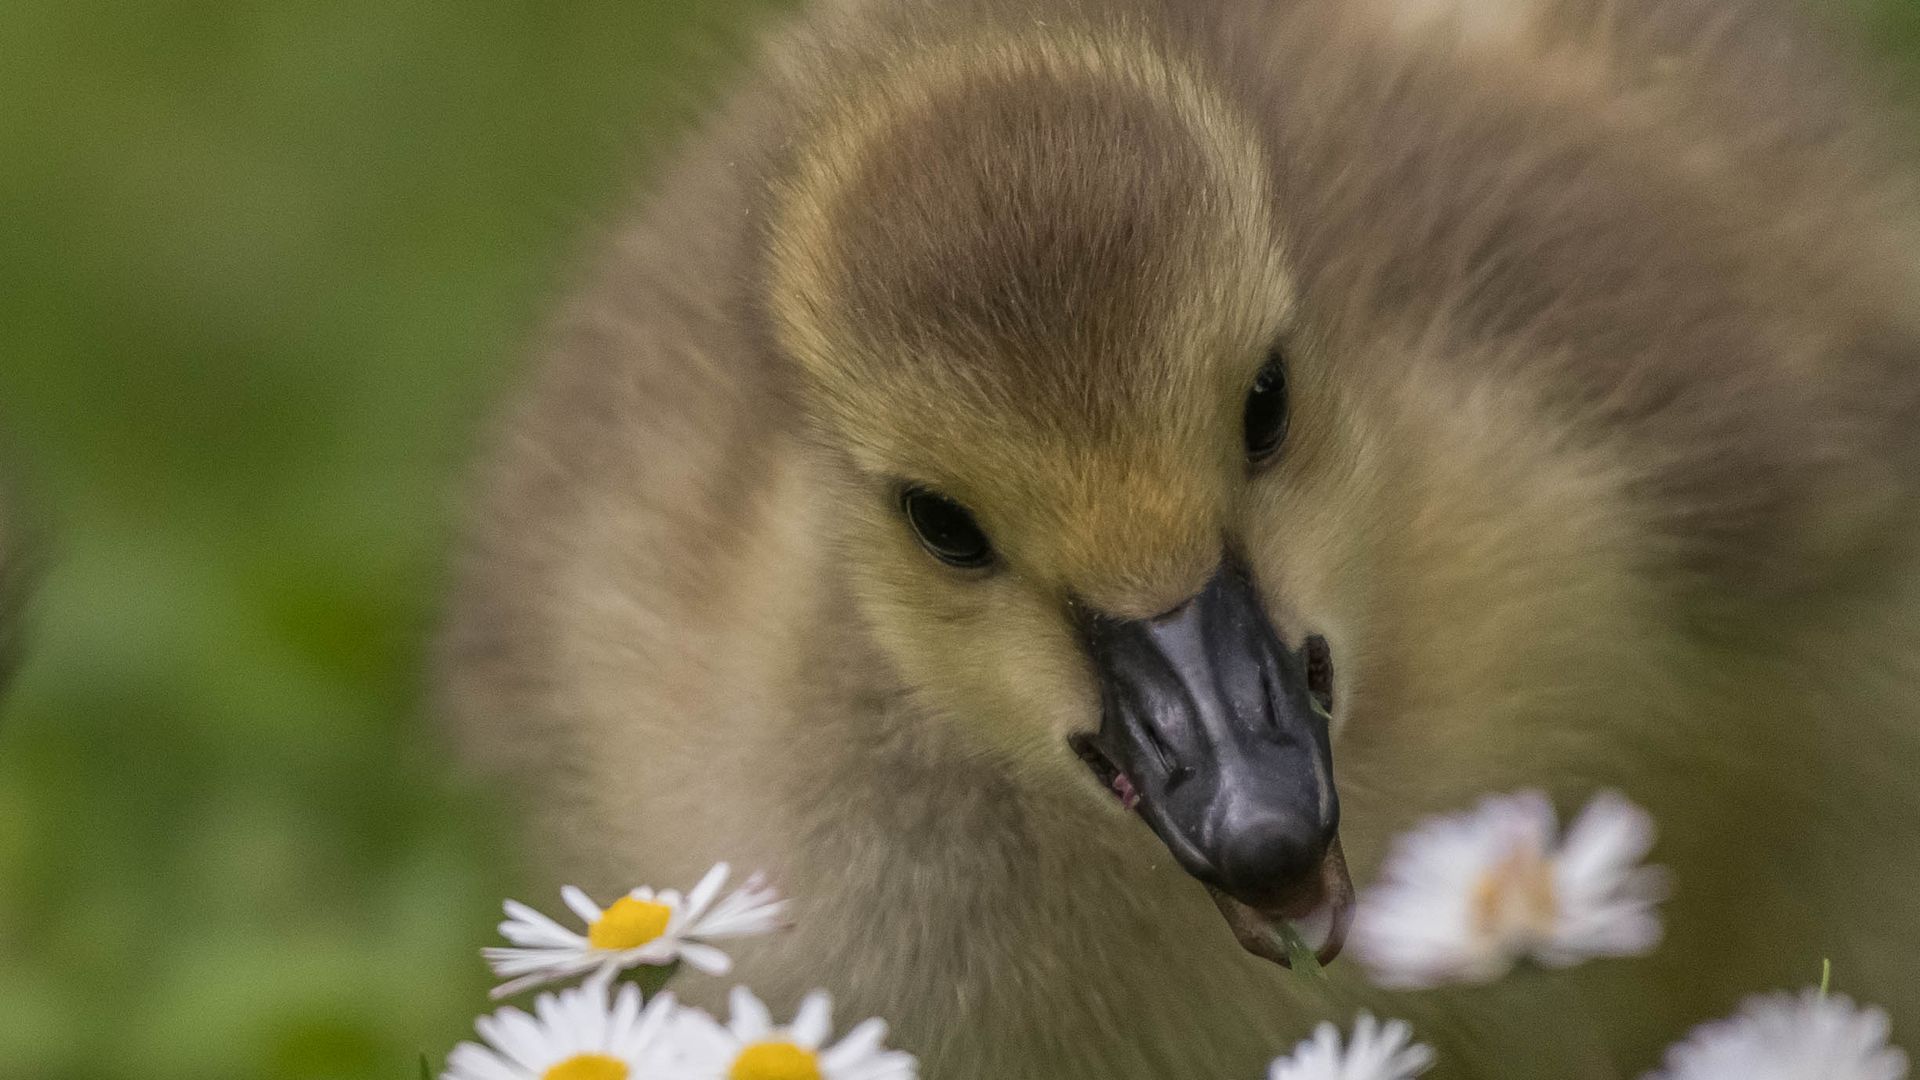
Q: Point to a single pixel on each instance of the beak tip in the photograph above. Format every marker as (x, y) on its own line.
(1321, 920)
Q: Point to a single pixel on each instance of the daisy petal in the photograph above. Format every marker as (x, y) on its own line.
(1609, 834)
(861, 1042)
(814, 1022)
(705, 958)
(1375, 1052)
(581, 904)
(471, 1061)
(703, 893)
(747, 1018)
(526, 926)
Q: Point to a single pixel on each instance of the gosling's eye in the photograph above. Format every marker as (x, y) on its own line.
(1266, 417)
(945, 528)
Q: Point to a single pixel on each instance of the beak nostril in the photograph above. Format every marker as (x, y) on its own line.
(1157, 742)
(1319, 657)
(1272, 697)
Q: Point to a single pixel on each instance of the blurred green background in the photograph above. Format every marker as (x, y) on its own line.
(262, 269)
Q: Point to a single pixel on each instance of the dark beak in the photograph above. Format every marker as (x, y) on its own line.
(1211, 730)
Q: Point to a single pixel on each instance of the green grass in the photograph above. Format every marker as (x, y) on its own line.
(261, 270)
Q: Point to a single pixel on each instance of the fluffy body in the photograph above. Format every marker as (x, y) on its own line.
(1601, 473)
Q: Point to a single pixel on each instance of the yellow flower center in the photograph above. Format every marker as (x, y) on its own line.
(628, 924)
(588, 1067)
(775, 1061)
(1515, 900)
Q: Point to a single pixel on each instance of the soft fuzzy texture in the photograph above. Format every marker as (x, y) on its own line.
(1601, 473)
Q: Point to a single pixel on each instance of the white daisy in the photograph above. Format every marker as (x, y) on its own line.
(1465, 896)
(578, 1034)
(642, 927)
(1789, 1037)
(751, 1047)
(1377, 1051)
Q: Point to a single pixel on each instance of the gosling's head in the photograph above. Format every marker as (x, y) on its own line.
(1109, 502)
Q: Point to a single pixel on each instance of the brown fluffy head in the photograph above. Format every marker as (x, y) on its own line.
(1040, 281)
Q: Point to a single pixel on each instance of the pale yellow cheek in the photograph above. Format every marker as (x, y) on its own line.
(1028, 681)
(992, 656)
